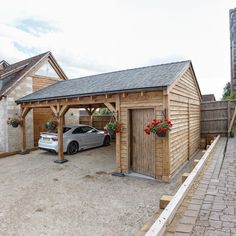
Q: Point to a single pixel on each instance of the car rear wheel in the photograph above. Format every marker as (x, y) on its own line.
(72, 148)
(106, 141)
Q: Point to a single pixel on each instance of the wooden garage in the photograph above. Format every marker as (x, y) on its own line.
(136, 97)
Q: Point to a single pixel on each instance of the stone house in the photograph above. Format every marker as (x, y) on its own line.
(20, 79)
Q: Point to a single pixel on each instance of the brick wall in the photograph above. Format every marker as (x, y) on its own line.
(3, 126)
(13, 139)
(72, 117)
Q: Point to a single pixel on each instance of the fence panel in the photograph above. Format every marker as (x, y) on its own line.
(216, 116)
(98, 121)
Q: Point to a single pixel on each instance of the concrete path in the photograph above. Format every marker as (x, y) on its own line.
(210, 206)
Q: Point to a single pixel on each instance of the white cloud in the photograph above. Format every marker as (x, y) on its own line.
(99, 36)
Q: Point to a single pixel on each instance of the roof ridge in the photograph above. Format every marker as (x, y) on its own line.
(142, 67)
(30, 58)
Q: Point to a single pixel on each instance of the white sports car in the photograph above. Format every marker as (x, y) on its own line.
(75, 138)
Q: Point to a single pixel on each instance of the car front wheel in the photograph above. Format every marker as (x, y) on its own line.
(72, 148)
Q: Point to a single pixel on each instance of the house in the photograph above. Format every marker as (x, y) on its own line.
(136, 97)
(20, 79)
(208, 98)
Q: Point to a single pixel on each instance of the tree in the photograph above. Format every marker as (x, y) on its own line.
(103, 112)
(227, 91)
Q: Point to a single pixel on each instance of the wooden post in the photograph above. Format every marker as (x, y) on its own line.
(232, 121)
(23, 136)
(188, 130)
(90, 112)
(118, 138)
(166, 153)
(60, 118)
(23, 113)
(228, 115)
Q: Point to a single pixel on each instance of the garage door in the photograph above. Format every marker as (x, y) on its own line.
(142, 145)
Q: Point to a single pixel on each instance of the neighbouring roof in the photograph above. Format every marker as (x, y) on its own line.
(208, 98)
(12, 73)
(3, 64)
(157, 76)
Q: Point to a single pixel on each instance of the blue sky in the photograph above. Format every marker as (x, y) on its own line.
(89, 37)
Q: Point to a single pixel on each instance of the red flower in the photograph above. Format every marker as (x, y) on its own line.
(155, 122)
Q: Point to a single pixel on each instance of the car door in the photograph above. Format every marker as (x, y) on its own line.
(88, 136)
(97, 137)
(91, 136)
(80, 136)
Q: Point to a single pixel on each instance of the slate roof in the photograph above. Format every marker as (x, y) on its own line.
(157, 76)
(12, 73)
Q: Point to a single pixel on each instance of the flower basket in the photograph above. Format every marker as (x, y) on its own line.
(113, 127)
(161, 134)
(158, 127)
(51, 125)
(14, 122)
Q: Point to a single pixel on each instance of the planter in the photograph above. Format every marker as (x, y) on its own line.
(161, 134)
(15, 125)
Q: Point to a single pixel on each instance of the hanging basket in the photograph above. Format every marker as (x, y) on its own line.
(161, 134)
(15, 125)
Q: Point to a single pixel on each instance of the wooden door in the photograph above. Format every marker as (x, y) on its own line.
(142, 145)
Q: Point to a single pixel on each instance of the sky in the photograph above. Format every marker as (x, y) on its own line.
(91, 37)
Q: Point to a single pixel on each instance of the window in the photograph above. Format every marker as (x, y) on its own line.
(78, 131)
(86, 129)
(66, 129)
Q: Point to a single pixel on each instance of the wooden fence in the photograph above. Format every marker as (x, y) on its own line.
(216, 117)
(98, 121)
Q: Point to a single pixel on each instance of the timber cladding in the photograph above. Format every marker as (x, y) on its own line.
(184, 112)
(41, 115)
(134, 107)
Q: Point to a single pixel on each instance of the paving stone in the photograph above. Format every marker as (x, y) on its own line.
(184, 228)
(188, 220)
(215, 224)
(206, 206)
(191, 213)
(215, 233)
(228, 224)
(198, 230)
(217, 197)
(194, 207)
(214, 216)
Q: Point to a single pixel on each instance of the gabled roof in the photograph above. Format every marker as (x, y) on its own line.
(13, 73)
(144, 78)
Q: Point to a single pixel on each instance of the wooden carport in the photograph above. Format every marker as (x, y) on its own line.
(136, 97)
(59, 108)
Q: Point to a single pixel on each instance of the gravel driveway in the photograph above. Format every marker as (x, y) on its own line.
(80, 197)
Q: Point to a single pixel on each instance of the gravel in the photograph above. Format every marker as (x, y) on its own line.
(80, 197)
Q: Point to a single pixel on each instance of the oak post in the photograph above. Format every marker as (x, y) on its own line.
(60, 118)
(23, 113)
(60, 138)
(166, 157)
(118, 138)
